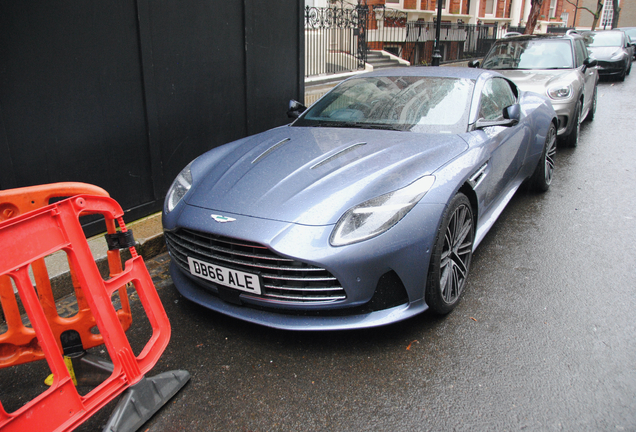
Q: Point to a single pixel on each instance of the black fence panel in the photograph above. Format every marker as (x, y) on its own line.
(413, 40)
(123, 95)
(559, 29)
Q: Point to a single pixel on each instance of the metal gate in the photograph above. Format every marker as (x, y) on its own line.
(335, 39)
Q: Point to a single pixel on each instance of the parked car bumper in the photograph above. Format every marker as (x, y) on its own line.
(365, 271)
(565, 114)
(612, 68)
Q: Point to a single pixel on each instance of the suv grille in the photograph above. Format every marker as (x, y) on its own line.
(283, 279)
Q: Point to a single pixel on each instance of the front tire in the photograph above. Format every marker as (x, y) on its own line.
(592, 111)
(542, 177)
(572, 139)
(621, 77)
(451, 256)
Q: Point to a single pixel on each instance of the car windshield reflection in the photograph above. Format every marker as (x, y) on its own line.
(404, 103)
(603, 39)
(530, 54)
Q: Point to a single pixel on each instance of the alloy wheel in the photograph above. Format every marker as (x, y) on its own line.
(456, 253)
(550, 151)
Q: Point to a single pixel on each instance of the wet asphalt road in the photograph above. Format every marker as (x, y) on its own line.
(544, 338)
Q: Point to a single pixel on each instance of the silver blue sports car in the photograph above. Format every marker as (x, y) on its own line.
(367, 208)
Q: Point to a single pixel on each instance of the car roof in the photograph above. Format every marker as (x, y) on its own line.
(432, 71)
(616, 30)
(542, 36)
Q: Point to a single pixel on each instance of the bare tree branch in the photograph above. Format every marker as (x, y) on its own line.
(580, 7)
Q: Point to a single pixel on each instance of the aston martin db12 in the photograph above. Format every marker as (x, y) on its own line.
(367, 208)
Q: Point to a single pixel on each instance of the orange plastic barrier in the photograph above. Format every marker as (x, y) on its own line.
(28, 237)
(19, 344)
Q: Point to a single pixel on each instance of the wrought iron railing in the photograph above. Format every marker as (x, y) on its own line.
(338, 38)
(412, 40)
(335, 39)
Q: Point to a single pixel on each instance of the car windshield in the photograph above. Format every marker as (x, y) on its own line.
(603, 39)
(404, 103)
(530, 54)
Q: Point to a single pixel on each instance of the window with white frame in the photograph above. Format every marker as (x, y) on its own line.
(552, 12)
(607, 16)
(444, 5)
(491, 7)
(565, 17)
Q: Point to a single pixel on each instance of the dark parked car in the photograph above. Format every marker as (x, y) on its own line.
(366, 209)
(558, 66)
(612, 50)
(631, 35)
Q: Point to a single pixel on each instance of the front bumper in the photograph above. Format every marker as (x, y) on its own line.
(404, 250)
(565, 114)
(612, 68)
(193, 292)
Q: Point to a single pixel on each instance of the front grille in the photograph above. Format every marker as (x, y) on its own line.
(283, 279)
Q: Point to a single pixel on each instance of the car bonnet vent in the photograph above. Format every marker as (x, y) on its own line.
(270, 150)
(341, 153)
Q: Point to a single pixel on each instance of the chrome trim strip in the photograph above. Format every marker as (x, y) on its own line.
(293, 282)
(269, 150)
(338, 154)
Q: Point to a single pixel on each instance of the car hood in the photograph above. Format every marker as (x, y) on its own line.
(312, 175)
(603, 53)
(537, 80)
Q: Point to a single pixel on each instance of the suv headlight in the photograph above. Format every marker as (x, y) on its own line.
(377, 215)
(560, 91)
(180, 186)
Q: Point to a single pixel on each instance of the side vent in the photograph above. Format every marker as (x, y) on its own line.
(477, 178)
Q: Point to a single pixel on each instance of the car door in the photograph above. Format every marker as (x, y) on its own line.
(590, 74)
(506, 144)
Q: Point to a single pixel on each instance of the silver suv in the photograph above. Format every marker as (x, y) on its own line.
(558, 66)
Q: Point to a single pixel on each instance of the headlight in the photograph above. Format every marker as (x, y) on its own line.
(617, 55)
(179, 188)
(560, 92)
(375, 216)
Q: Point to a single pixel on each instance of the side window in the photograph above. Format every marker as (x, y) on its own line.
(581, 52)
(495, 96)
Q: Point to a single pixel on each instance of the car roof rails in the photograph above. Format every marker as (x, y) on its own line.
(571, 32)
(511, 34)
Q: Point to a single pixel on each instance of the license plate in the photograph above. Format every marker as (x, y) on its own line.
(236, 279)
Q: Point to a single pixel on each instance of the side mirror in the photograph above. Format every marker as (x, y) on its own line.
(295, 109)
(473, 64)
(512, 112)
(590, 62)
(511, 116)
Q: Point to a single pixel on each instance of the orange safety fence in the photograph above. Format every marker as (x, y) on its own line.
(31, 236)
(18, 344)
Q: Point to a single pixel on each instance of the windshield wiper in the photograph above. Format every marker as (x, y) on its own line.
(358, 125)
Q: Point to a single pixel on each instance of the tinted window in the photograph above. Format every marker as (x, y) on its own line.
(530, 54)
(408, 103)
(495, 96)
(581, 52)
